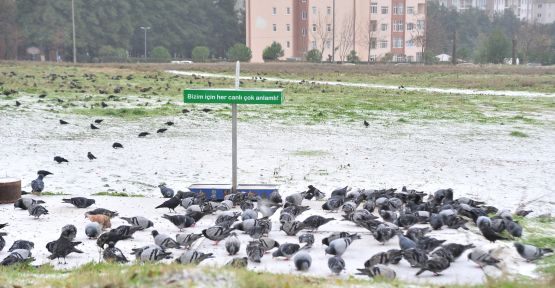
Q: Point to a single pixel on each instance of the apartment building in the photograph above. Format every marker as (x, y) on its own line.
(541, 11)
(391, 30)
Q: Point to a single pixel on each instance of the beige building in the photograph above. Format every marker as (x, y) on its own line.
(540, 11)
(391, 30)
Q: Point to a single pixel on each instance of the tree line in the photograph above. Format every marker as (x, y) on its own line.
(112, 28)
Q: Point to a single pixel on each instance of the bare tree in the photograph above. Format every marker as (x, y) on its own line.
(368, 36)
(419, 37)
(346, 40)
(321, 34)
(532, 38)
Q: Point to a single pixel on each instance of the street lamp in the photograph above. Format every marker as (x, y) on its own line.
(145, 29)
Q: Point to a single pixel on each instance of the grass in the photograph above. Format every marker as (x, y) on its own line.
(117, 194)
(518, 134)
(54, 194)
(127, 113)
(309, 153)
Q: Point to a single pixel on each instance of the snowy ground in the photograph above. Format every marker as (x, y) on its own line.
(480, 161)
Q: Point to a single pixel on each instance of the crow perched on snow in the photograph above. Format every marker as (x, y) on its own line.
(63, 122)
(161, 130)
(60, 159)
(94, 127)
(366, 124)
(117, 145)
(90, 156)
(143, 134)
(98, 121)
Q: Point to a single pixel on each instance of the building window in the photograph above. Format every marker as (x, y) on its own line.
(373, 43)
(410, 10)
(303, 15)
(383, 43)
(313, 44)
(373, 25)
(329, 10)
(397, 42)
(328, 27)
(385, 9)
(410, 26)
(399, 58)
(274, 27)
(314, 10)
(288, 27)
(288, 11)
(303, 32)
(398, 9)
(398, 26)
(328, 44)
(313, 27)
(384, 27)
(410, 43)
(288, 44)
(374, 8)
(420, 25)
(274, 10)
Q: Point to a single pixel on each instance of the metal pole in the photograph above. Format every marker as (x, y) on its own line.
(73, 25)
(234, 134)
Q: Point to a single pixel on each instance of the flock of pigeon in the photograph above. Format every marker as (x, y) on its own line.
(406, 216)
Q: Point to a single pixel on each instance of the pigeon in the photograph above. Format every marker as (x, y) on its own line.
(169, 123)
(17, 256)
(101, 219)
(25, 203)
(340, 192)
(79, 202)
(17, 103)
(37, 185)
(126, 230)
(254, 251)
(193, 257)
(267, 211)
(513, 228)
(62, 122)
(286, 250)
(143, 134)
(60, 160)
(180, 221)
(117, 145)
(186, 240)
(366, 124)
(435, 265)
(295, 199)
(44, 173)
(102, 211)
(292, 228)
(152, 254)
(336, 235)
(338, 246)
(232, 244)
(161, 130)
(315, 221)
(90, 156)
(380, 258)
(171, 204)
(307, 238)
(483, 258)
(484, 224)
(238, 262)
(217, 233)
(166, 192)
(443, 253)
(404, 242)
(113, 254)
(164, 240)
(103, 104)
(63, 247)
(378, 270)
(94, 127)
(414, 233)
(69, 232)
(110, 236)
(333, 204)
(138, 221)
(457, 249)
(415, 257)
(302, 261)
(428, 243)
(530, 252)
(37, 210)
(268, 243)
(2, 240)
(98, 121)
(336, 264)
(93, 230)
(22, 244)
(384, 233)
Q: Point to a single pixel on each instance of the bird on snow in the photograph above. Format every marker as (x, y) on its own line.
(161, 130)
(268, 243)
(302, 261)
(435, 265)
(25, 203)
(143, 134)
(17, 256)
(139, 221)
(286, 250)
(98, 121)
(217, 233)
(117, 145)
(180, 221)
(336, 264)
(232, 244)
(366, 124)
(61, 248)
(22, 244)
(376, 271)
(90, 156)
(531, 252)
(60, 159)
(307, 238)
(164, 240)
(79, 202)
(338, 246)
(113, 254)
(37, 185)
(93, 230)
(171, 204)
(166, 192)
(315, 221)
(37, 210)
(254, 251)
(62, 122)
(186, 240)
(484, 224)
(415, 257)
(102, 211)
(482, 258)
(94, 127)
(193, 257)
(292, 228)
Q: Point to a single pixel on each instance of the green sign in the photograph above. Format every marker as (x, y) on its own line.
(233, 96)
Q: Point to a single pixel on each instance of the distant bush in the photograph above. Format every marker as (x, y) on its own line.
(314, 56)
(353, 57)
(160, 53)
(272, 52)
(239, 52)
(200, 54)
(108, 51)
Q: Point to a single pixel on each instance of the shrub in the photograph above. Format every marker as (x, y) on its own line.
(314, 55)
(239, 52)
(272, 52)
(200, 54)
(352, 57)
(160, 53)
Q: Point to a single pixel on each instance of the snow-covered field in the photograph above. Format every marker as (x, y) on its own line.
(480, 161)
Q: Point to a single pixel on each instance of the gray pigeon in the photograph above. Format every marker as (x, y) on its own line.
(483, 258)
(513, 228)
(164, 240)
(2, 240)
(225, 205)
(69, 232)
(296, 198)
(286, 250)
(268, 244)
(217, 233)
(435, 265)
(307, 238)
(25, 203)
(249, 214)
(315, 221)
(338, 246)
(415, 257)
(255, 251)
(443, 253)
(193, 257)
(457, 249)
(378, 270)
(404, 242)
(153, 254)
(275, 197)
(113, 254)
(186, 240)
(37, 185)
(384, 233)
(166, 192)
(531, 252)
(139, 221)
(266, 210)
(286, 217)
(292, 228)
(392, 256)
(17, 256)
(36, 210)
(180, 221)
(93, 230)
(302, 261)
(340, 192)
(79, 202)
(22, 244)
(232, 244)
(336, 264)
(333, 204)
